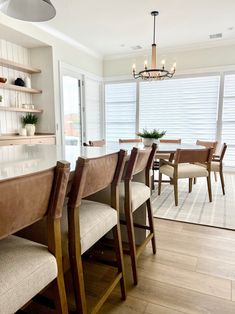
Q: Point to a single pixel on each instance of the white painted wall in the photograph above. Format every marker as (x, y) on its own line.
(10, 122)
(187, 60)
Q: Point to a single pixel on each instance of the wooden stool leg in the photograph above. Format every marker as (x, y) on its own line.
(151, 224)
(222, 181)
(60, 298)
(215, 175)
(190, 186)
(131, 238)
(159, 183)
(176, 191)
(119, 256)
(209, 187)
(195, 180)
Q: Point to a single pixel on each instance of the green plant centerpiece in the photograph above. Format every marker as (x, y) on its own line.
(150, 137)
(0, 100)
(29, 122)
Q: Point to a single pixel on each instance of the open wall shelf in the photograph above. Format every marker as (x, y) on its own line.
(20, 88)
(15, 109)
(17, 66)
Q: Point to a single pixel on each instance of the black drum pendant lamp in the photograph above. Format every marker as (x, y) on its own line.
(28, 10)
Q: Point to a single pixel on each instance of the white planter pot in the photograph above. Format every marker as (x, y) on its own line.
(149, 141)
(30, 129)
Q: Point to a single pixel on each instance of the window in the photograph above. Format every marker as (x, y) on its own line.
(93, 115)
(228, 119)
(185, 107)
(120, 104)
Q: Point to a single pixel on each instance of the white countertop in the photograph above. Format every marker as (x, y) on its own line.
(17, 160)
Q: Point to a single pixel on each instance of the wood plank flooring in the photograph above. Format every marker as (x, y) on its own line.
(192, 272)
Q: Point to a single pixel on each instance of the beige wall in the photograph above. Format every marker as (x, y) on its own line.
(186, 60)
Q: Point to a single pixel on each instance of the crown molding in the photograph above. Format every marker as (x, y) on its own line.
(52, 31)
(173, 49)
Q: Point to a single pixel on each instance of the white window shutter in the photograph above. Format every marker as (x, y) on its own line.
(120, 109)
(185, 107)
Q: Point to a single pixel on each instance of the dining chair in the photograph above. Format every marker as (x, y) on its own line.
(27, 267)
(208, 144)
(159, 156)
(130, 140)
(188, 163)
(132, 196)
(89, 221)
(217, 165)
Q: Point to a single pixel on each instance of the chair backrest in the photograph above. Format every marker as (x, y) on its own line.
(208, 144)
(193, 155)
(130, 140)
(166, 140)
(220, 156)
(27, 199)
(138, 161)
(95, 174)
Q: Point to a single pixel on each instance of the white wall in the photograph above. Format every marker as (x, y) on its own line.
(186, 60)
(10, 122)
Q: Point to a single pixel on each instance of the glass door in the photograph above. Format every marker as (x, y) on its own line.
(71, 117)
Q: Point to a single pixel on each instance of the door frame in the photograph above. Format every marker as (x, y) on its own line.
(64, 71)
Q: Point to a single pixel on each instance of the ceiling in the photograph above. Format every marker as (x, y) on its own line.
(113, 26)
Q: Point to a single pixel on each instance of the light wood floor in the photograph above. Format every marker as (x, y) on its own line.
(192, 272)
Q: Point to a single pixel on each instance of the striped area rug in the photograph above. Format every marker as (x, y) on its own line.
(195, 207)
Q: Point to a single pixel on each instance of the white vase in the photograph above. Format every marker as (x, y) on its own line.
(30, 129)
(22, 132)
(148, 141)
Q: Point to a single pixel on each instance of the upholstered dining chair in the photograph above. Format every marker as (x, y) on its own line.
(159, 156)
(130, 140)
(188, 163)
(217, 165)
(97, 143)
(89, 221)
(134, 194)
(26, 267)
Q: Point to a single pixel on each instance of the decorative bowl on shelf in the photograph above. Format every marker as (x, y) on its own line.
(3, 79)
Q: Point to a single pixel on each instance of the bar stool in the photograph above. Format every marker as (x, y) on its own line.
(27, 267)
(89, 221)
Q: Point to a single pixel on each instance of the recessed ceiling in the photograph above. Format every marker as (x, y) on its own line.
(114, 26)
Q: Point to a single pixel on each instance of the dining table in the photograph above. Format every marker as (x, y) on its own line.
(19, 160)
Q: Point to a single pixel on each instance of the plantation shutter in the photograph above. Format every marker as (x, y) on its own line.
(228, 119)
(185, 107)
(93, 110)
(120, 106)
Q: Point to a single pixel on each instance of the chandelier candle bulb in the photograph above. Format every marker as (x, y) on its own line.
(133, 68)
(145, 64)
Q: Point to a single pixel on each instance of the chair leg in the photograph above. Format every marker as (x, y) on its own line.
(159, 183)
(209, 187)
(131, 238)
(119, 257)
(176, 191)
(215, 175)
(222, 181)
(195, 180)
(190, 185)
(151, 224)
(60, 298)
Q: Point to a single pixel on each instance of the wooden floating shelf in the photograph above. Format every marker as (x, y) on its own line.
(20, 88)
(15, 109)
(17, 66)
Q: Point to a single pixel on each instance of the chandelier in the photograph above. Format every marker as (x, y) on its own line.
(154, 73)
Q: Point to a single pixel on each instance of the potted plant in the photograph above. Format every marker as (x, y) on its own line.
(29, 121)
(150, 137)
(1, 103)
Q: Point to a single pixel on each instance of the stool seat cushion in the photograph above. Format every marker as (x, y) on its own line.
(140, 194)
(96, 219)
(26, 268)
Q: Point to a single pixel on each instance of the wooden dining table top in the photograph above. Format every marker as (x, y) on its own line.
(17, 160)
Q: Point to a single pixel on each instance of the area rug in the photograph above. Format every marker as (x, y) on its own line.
(195, 207)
